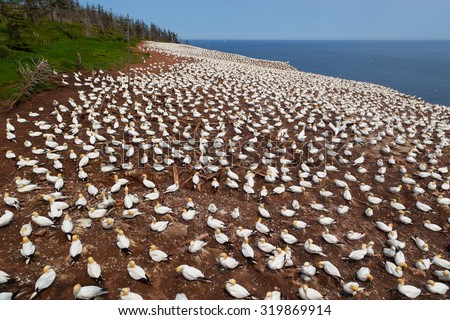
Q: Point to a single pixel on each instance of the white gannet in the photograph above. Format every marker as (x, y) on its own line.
(188, 215)
(28, 188)
(232, 175)
(81, 201)
(222, 238)
(287, 237)
(310, 247)
(273, 295)
(152, 195)
(236, 290)
(137, 273)
(6, 218)
(363, 274)
(276, 263)
(423, 207)
(108, 223)
(393, 270)
(87, 292)
(359, 160)
(244, 233)
(264, 246)
(128, 200)
(172, 188)
(190, 204)
(299, 224)
(423, 264)
(26, 230)
(126, 294)
(330, 269)
(159, 226)
(328, 237)
(390, 252)
(384, 227)
(196, 245)
(432, 226)
(123, 242)
(436, 287)
(352, 235)
(191, 273)
(41, 221)
(94, 270)
(325, 221)
(358, 254)
(422, 245)
(132, 213)
(227, 261)
(76, 248)
(307, 293)
(307, 270)
(247, 251)
(318, 206)
(215, 223)
(373, 199)
(288, 257)
(408, 290)
(96, 213)
(27, 250)
(443, 275)
(160, 209)
(11, 201)
(215, 185)
(147, 183)
(44, 281)
(442, 200)
(263, 211)
(352, 288)
(4, 277)
(440, 262)
(262, 228)
(212, 208)
(92, 190)
(403, 218)
(285, 212)
(397, 205)
(158, 255)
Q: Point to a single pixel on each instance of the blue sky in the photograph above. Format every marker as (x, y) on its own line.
(293, 19)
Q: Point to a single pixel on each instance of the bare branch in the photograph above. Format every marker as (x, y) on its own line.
(32, 77)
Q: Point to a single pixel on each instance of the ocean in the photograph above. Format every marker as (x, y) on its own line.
(417, 68)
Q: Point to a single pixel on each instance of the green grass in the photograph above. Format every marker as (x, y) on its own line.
(60, 45)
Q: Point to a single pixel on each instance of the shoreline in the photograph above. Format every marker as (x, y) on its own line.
(417, 96)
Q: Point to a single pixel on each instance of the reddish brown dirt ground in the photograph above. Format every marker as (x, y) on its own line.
(53, 246)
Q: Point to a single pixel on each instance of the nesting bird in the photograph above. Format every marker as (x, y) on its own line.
(137, 273)
(88, 292)
(236, 290)
(191, 273)
(44, 281)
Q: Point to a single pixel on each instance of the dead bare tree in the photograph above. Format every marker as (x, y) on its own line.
(32, 77)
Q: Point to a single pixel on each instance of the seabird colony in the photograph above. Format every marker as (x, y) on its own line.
(226, 177)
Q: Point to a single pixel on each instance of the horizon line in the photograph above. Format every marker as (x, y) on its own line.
(204, 39)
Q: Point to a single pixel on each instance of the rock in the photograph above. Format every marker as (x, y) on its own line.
(40, 233)
(50, 234)
(84, 223)
(177, 230)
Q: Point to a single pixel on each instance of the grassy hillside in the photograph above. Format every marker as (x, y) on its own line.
(60, 44)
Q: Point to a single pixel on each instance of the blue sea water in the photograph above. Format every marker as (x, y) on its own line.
(417, 68)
